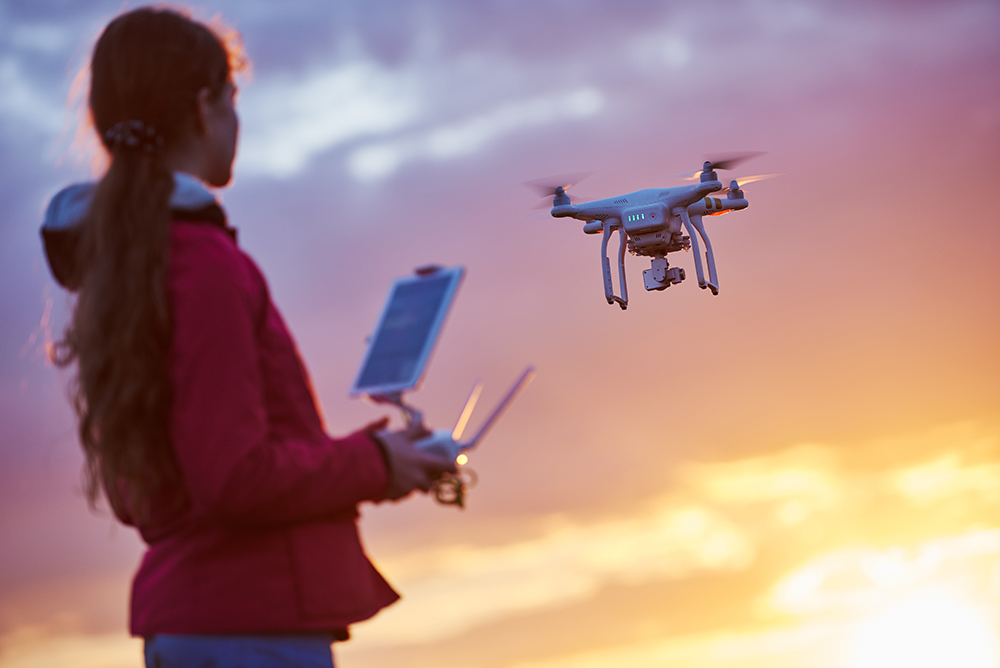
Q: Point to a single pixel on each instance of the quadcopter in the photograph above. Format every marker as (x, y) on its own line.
(652, 223)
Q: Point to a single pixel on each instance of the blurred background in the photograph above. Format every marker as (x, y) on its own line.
(800, 471)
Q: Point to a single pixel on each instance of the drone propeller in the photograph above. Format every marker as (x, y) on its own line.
(749, 179)
(556, 186)
(718, 161)
(729, 160)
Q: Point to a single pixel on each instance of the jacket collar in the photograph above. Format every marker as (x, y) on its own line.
(190, 193)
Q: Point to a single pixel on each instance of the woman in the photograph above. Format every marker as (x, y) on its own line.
(195, 413)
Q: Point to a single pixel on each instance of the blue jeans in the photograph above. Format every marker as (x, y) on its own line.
(182, 651)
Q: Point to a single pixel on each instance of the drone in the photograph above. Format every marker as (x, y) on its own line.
(652, 223)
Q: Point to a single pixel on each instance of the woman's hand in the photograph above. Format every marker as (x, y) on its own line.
(410, 467)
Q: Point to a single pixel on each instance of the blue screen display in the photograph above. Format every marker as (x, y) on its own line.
(406, 333)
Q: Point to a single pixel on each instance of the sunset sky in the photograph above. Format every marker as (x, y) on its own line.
(801, 471)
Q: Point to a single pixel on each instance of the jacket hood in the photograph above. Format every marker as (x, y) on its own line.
(68, 208)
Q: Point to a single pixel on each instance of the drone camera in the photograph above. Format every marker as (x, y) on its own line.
(660, 277)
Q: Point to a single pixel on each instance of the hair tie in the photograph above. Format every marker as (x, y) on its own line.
(133, 135)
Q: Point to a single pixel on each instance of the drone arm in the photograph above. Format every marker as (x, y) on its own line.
(609, 293)
(713, 281)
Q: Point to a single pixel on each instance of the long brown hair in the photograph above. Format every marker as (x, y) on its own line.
(147, 66)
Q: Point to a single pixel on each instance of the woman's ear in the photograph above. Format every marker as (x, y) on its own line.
(202, 102)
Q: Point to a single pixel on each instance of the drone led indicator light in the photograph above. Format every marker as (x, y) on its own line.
(462, 459)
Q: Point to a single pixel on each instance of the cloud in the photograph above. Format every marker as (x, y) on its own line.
(44, 38)
(675, 52)
(858, 579)
(949, 476)
(22, 105)
(380, 159)
(782, 648)
(287, 122)
(468, 586)
(802, 480)
(930, 629)
(27, 648)
(720, 517)
(69, 621)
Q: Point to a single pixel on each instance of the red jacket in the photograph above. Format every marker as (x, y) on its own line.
(265, 540)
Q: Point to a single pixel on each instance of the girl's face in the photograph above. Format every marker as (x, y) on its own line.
(221, 130)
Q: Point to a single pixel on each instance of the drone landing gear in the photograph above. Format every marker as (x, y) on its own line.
(692, 223)
(609, 225)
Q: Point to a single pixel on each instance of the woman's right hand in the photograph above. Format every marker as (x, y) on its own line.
(410, 467)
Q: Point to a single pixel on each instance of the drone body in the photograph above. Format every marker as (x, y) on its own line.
(653, 223)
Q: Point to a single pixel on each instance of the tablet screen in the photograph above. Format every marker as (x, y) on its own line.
(407, 331)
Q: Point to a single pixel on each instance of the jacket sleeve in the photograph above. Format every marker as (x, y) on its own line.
(234, 468)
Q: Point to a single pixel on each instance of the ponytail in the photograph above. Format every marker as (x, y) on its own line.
(145, 73)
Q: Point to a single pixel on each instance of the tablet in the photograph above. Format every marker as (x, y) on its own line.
(407, 331)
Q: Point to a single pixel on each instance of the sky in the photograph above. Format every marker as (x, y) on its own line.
(801, 471)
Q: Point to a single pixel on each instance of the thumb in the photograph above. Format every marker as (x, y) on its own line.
(417, 431)
(376, 426)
